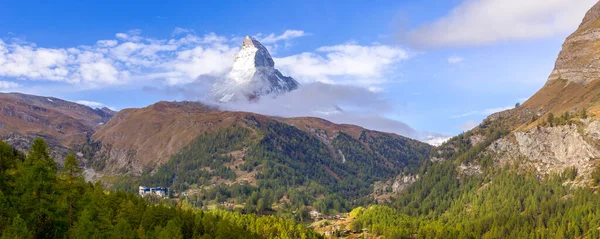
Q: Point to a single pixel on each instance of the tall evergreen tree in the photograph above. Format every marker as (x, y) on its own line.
(7, 162)
(72, 174)
(39, 196)
(18, 230)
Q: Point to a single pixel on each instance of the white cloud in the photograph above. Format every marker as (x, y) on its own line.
(484, 112)
(131, 58)
(92, 104)
(4, 85)
(107, 43)
(437, 140)
(346, 64)
(32, 62)
(127, 58)
(481, 22)
(337, 103)
(469, 125)
(190, 64)
(496, 110)
(179, 30)
(131, 35)
(455, 59)
(464, 114)
(287, 35)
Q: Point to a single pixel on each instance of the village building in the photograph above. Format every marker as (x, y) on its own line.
(159, 191)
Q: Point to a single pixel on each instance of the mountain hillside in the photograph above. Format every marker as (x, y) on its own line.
(135, 140)
(575, 81)
(557, 129)
(529, 172)
(194, 148)
(62, 123)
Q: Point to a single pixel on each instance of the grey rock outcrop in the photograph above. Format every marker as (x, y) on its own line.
(395, 185)
(552, 149)
(577, 62)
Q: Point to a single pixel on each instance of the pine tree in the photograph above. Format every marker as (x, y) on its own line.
(7, 162)
(122, 230)
(550, 119)
(39, 184)
(171, 231)
(72, 174)
(261, 206)
(18, 230)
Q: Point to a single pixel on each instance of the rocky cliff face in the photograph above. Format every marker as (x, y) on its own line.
(253, 75)
(394, 185)
(578, 61)
(552, 149)
(573, 85)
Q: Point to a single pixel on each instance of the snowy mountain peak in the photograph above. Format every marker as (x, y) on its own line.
(252, 75)
(252, 47)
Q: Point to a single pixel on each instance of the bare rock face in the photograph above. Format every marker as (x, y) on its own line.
(395, 185)
(115, 160)
(578, 62)
(469, 169)
(593, 130)
(552, 149)
(476, 139)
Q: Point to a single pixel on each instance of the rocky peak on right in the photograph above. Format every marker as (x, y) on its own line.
(579, 60)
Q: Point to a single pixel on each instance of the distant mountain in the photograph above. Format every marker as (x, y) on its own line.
(62, 123)
(145, 138)
(190, 146)
(253, 75)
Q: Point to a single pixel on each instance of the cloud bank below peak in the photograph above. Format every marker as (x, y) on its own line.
(342, 104)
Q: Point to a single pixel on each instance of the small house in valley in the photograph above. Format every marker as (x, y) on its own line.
(159, 191)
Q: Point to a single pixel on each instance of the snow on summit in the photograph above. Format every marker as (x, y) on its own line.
(253, 75)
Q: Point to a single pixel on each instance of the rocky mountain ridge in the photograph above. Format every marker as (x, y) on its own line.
(135, 140)
(577, 62)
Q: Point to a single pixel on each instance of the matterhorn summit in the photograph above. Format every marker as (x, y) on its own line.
(253, 75)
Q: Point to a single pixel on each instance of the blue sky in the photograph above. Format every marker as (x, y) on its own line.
(439, 66)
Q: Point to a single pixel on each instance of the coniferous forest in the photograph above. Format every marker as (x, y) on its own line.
(40, 200)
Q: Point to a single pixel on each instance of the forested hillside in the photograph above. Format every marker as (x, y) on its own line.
(39, 200)
(267, 165)
(141, 140)
(502, 203)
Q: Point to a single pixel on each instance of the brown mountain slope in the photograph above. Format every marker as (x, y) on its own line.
(138, 139)
(62, 123)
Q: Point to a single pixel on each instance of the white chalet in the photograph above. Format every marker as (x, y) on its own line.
(159, 191)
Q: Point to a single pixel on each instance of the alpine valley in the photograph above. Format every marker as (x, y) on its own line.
(529, 172)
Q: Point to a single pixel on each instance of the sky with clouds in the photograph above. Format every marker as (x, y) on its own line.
(425, 69)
